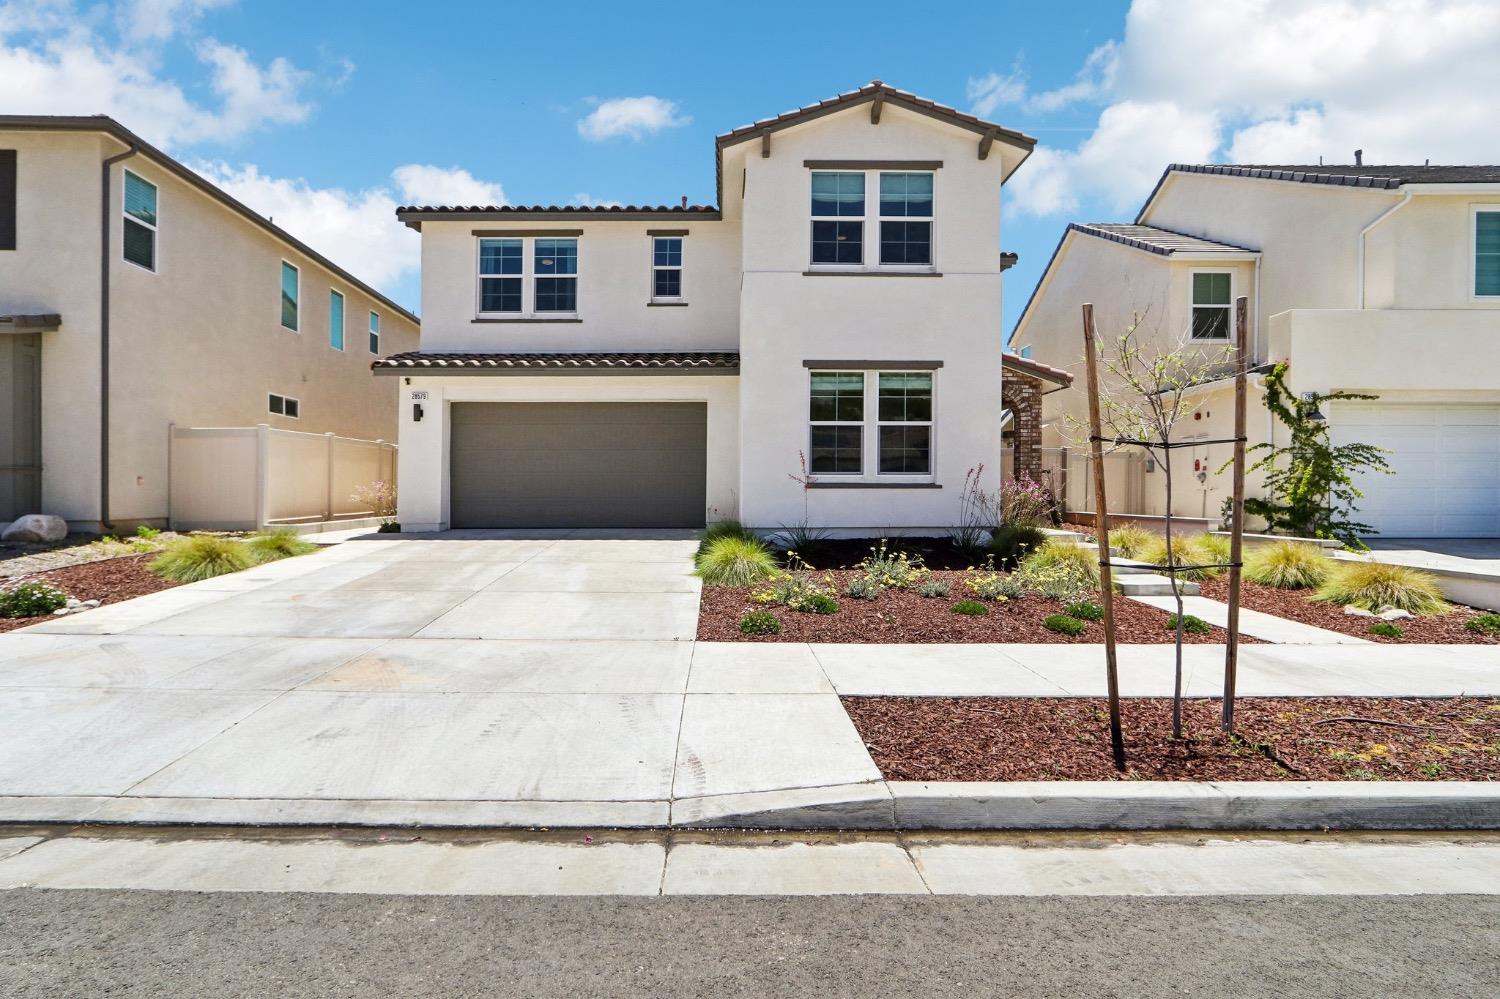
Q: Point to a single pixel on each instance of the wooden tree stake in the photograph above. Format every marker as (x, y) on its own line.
(1101, 531)
(1237, 512)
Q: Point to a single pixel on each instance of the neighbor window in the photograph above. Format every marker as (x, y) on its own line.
(1487, 251)
(140, 221)
(1211, 305)
(335, 320)
(282, 405)
(515, 282)
(7, 199)
(899, 424)
(374, 332)
(906, 218)
(838, 223)
(291, 291)
(666, 268)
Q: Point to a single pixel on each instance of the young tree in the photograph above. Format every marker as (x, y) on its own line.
(1309, 482)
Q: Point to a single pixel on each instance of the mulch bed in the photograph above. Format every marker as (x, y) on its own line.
(1439, 629)
(902, 616)
(1277, 738)
(108, 582)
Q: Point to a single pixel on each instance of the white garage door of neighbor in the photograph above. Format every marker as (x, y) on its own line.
(1446, 460)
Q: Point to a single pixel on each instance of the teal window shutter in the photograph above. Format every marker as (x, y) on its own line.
(1487, 253)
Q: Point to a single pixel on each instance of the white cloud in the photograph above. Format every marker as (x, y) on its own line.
(635, 117)
(987, 93)
(430, 185)
(589, 201)
(158, 20)
(1278, 81)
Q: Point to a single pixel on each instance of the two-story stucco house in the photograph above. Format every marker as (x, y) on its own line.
(1374, 279)
(822, 346)
(135, 295)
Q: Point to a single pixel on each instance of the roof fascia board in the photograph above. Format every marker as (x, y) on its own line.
(414, 220)
(1484, 189)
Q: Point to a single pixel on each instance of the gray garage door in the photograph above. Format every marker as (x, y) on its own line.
(585, 464)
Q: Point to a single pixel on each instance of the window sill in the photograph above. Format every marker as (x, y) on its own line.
(526, 319)
(865, 484)
(663, 305)
(873, 272)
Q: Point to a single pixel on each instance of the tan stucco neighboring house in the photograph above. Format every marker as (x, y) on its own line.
(1375, 279)
(135, 295)
(823, 345)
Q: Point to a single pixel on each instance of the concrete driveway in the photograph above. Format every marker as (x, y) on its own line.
(499, 678)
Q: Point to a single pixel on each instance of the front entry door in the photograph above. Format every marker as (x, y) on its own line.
(20, 425)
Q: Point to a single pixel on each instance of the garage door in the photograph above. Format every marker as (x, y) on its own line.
(594, 464)
(1447, 464)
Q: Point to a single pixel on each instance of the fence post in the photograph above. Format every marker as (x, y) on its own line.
(262, 473)
(328, 477)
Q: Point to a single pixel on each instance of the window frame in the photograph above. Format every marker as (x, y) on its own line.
(296, 404)
(1475, 210)
(528, 277)
(681, 296)
(334, 293)
(281, 290)
(373, 328)
(870, 425)
(862, 219)
(1228, 307)
(881, 218)
(125, 218)
(870, 223)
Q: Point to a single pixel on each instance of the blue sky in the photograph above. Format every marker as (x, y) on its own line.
(328, 114)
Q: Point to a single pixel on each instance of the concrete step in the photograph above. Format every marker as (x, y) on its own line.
(1152, 585)
(1121, 566)
(1057, 534)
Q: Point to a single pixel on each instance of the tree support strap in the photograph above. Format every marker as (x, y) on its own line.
(1169, 446)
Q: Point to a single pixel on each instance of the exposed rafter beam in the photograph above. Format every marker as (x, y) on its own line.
(765, 144)
(985, 143)
(875, 106)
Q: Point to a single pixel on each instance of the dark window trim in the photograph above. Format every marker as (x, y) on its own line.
(891, 272)
(10, 206)
(667, 232)
(873, 365)
(874, 485)
(667, 305)
(873, 164)
(524, 233)
(500, 319)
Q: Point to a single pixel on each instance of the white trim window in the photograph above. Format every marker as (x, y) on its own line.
(1213, 301)
(666, 268)
(374, 332)
(898, 444)
(141, 222)
(838, 218)
(284, 405)
(1486, 243)
(291, 295)
(906, 219)
(501, 265)
(555, 262)
(528, 277)
(903, 220)
(335, 319)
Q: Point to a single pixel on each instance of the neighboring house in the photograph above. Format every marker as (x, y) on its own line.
(1376, 279)
(649, 367)
(135, 295)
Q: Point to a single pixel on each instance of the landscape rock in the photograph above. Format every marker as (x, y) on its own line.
(1353, 611)
(1395, 614)
(35, 529)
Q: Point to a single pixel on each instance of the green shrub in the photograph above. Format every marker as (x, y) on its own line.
(934, 588)
(819, 603)
(282, 542)
(388, 527)
(760, 623)
(718, 529)
(1203, 549)
(1086, 610)
(895, 569)
(31, 599)
(202, 556)
(970, 608)
(1387, 629)
(1191, 623)
(146, 533)
(1010, 543)
(1064, 625)
(1484, 624)
(735, 560)
(1059, 570)
(1129, 539)
(863, 588)
(1288, 565)
(991, 584)
(1374, 586)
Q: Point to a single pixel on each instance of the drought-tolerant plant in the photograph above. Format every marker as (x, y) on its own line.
(819, 603)
(1129, 539)
(727, 528)
(1085, 610)
(1185, 552)
(1484, 624)
(388, 527)
(1288, 565)
(970, 608)
(146, 533)
(1375, 586)
(278, 543)
(1387, 629)
(1211, 547)
(990, 584)
(1191, 623)
(1023, 500)
(934, 588)
(379, 497)
(1010, 543)
(31, 599)
(978, 512)
(202, 556)
(735, 560)
(863, 588)
(1064, 625)
(893, 569)
(760, 623)
(1059, 570)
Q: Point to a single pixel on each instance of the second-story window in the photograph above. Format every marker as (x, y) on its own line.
(521, 276)
(335, 320)
(500, 265)
(556, 275)
(666, 268)
(906, 218)
(838, 217)
(1487, 251)
(1211, 305)
(374, 332)
(291, 293)
(140, 221)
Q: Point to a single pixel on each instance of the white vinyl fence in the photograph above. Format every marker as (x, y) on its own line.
(245, 478)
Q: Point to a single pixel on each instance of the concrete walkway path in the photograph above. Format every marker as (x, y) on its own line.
(1268, 627)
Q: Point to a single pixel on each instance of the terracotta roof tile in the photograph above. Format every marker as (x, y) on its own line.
(570, 361)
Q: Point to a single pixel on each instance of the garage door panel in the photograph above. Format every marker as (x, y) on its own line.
(578, 464)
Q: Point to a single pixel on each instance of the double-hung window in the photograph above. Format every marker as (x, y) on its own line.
(906, 218)
(902, 219)
(1211, 305)
(666, 268)
(528, 276)
(1487, 251)
(500, 267)
(335, 320)
(556, 263)
(838, 217)
(140, 222)
(291, 294)
(374, 332)
(848, 438)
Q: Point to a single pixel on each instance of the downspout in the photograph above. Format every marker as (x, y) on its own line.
(1366, 231)
(104, 260)
(1255, 357)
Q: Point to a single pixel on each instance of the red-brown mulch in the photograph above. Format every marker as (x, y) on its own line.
(1436, 629)
(1277, 738)
(108, 582)
(903, 616)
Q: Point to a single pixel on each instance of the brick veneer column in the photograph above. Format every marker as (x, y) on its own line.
(1022, 395)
